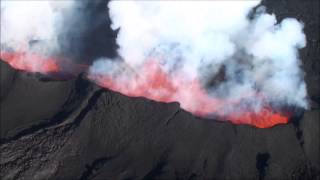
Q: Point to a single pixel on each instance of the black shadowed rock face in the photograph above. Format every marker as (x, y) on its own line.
(75, 130)
(262, 164)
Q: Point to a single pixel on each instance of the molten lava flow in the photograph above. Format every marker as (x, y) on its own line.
(263, 119)
(30, 62)
(153, 83)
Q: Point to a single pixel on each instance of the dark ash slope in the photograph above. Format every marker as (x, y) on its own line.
(76, 130)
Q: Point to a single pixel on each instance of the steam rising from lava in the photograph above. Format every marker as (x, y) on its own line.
(209, 56)
(216, 58)
(32, 29)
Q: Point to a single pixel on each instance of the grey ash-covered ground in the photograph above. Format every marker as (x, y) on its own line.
(74, 129)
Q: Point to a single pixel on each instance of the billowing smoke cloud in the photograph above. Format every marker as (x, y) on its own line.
(207, 55)
(23, 23)
(216, 58)
(32, 28)
(54, 36)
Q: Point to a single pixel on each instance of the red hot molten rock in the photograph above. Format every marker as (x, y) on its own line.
(170, 50)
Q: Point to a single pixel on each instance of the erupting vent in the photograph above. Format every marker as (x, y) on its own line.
(169, 51)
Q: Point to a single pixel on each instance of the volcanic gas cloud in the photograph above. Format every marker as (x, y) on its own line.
(220, 59)
(30, 32)
(29, 35)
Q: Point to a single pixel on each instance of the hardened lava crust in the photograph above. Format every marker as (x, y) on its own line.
(73, 129)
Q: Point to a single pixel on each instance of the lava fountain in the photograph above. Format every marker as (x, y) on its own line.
(31, 62)
(168, 52)
(191, 96)
(154, 83)
(54, 67)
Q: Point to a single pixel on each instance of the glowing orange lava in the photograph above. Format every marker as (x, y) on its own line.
(56, 68)
(30, 62)
(153, 83)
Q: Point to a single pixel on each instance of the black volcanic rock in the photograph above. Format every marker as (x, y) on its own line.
(27, 101)
(309, 13)
(110, 136)
(76, 130)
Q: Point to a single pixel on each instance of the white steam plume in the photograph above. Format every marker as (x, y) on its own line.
(199, 38)
(32, 25)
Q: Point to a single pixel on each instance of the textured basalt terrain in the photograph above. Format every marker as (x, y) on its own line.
(53, 129)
